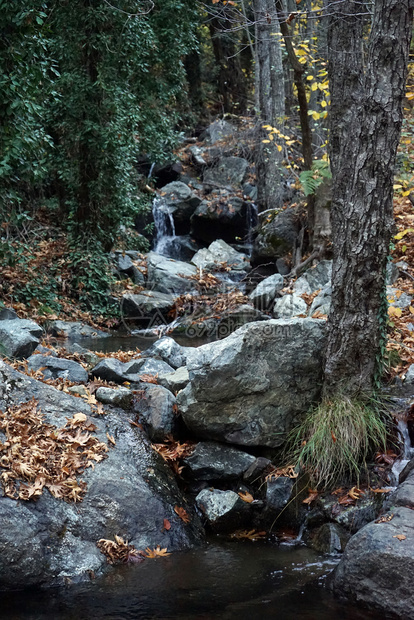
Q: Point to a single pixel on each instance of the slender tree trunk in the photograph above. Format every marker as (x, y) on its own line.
(232, 84)
(365, 123)
(270, 103)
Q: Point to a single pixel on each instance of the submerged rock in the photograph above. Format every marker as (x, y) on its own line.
(129, 494)
(251, 387)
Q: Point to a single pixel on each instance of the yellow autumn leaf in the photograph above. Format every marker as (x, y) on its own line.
(324, 104)
(310, 77)
(393, 311)
(314, 86)
(411, 309)
(266, 141)
(402, 234)
(279, 148)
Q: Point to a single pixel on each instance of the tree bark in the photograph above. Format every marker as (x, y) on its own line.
(365, 123)
(232, 83)
(270, 102)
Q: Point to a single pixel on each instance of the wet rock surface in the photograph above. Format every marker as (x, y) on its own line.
(129, 494)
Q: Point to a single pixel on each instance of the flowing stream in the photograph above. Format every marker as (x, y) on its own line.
(226, 580)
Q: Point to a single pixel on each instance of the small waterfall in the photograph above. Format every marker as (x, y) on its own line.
(164, 226)
(408, 450)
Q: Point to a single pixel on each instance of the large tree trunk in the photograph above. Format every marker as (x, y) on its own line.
(270, 102)
(365, 122)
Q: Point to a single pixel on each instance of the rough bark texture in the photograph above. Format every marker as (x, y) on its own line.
(270, 101)
(366, 118)
(231, 80)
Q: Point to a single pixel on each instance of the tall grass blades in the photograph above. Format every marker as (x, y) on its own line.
(334, 441)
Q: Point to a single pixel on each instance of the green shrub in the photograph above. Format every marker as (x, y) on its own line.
(337, 437)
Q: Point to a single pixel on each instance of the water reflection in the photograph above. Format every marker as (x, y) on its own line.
(231, 581)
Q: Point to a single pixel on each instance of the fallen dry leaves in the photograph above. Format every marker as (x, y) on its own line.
(157, 552)
(182, 513)
(249, 535)
(119, 551)
(38, 455)
(246, 497)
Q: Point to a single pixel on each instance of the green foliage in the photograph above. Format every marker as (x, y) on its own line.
(25, 87)
(335, 439)
(85, 87)
(312, 179)
(91, 277)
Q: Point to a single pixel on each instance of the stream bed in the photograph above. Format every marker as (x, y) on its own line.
(227, 580)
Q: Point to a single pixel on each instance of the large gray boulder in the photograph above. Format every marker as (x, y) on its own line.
(129, 494)
(169, 351)
(169, 276)
(146, 304)
(251, 387)
(219, 252)
(19, 337)
(229, 171)
(218, 130)
(75, 330)
(155, 408)
(111, 369)
(377, 566)
(314, 278)
(58, 368)
(180, 200)
(266, 292)
(214, 461)
(276, 236)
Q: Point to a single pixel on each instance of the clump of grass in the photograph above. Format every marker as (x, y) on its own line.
(337, 437)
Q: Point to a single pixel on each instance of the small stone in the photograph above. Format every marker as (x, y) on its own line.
(224, 510)
(214, 461)
(117, 397)
(78, 390)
